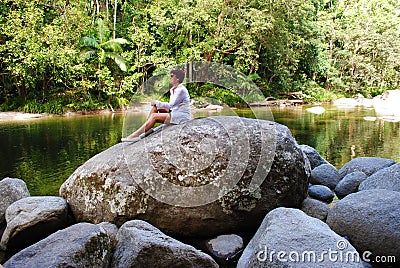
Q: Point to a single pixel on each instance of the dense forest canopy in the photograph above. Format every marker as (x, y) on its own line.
(94, 54)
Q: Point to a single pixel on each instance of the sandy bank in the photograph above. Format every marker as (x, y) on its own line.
(16, 116)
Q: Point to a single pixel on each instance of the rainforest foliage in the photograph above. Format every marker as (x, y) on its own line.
(94, 54)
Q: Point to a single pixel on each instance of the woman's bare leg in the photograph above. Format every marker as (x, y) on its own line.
(152, 111)
(151, 121)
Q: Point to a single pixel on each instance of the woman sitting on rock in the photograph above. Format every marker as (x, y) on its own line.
(177, 111)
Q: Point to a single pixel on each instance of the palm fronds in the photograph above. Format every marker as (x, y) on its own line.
(102, 50)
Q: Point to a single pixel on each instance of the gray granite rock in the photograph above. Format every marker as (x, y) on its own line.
(349, 184)
(321, 192)
(31, 219)
(325, 174)
(371, 221)
(387, 178)
(313, 156)
(11, 190)
(110, 229)
(367, 165)
(188, 164)
(142, 245)
(315, 208)
(80, 245)
(225, 248)
(289, 238)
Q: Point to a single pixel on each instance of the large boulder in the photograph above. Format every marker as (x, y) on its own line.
(313, 156)
(31, 219)
(11, 190)
(371, 221)
(387, 104)
(387, 178)
(139, 244)
(80, 245)
(367, 165)
(289, 238)
(202, 178)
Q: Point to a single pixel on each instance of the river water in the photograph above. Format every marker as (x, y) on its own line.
(45, 152)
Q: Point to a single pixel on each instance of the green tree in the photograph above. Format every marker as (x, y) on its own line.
(320, 47)
(362, 40)
(102, 50)
(291, 55)
(164, 33)
(38, 50)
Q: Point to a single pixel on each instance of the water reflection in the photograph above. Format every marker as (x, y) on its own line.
(341, 134)
(45, 152)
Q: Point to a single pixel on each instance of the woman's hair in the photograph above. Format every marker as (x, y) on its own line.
(179, 74)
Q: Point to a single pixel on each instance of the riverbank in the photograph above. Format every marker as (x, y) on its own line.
(22, 116)
(16, 116)
(385, 106)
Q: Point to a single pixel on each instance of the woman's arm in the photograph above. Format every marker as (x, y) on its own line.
(162, 105)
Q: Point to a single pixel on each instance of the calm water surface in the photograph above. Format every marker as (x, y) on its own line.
(45, 152)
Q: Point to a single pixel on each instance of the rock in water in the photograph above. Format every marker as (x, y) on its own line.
(205, 177)
(11, 190)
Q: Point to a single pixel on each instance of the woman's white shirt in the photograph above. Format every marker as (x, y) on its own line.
(179, 105)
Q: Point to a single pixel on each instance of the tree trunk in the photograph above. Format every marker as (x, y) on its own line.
(107, 13)
(115, 17)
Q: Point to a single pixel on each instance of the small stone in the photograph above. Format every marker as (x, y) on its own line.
(315, 208)
(325, 174)
(225, 247)
(321, 192)
(349, 184)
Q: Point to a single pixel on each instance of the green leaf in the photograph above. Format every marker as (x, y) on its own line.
(87, 53)
(89, 42)
(117, 59)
